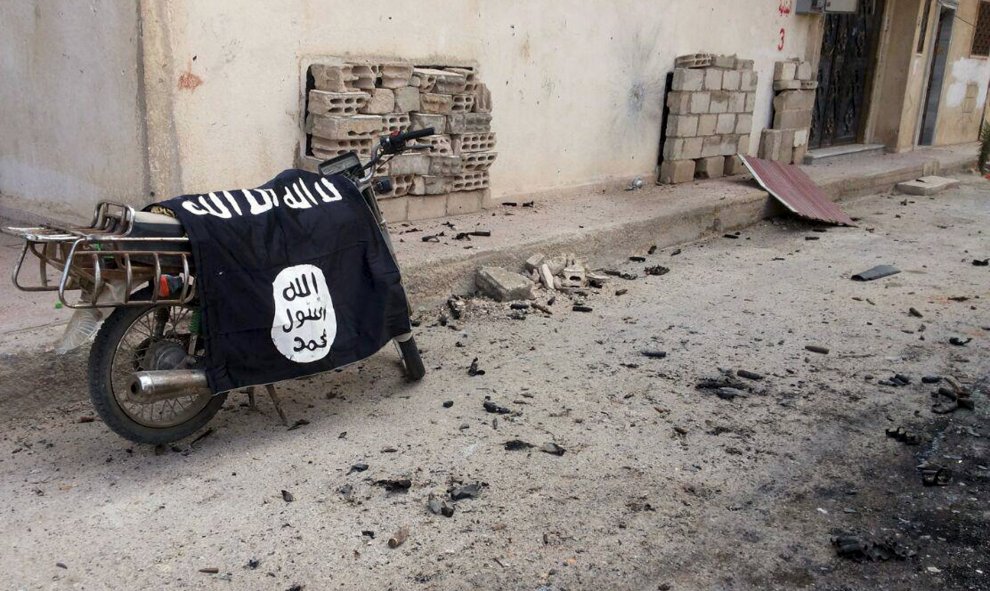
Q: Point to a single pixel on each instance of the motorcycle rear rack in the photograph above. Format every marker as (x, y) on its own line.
(92, 257)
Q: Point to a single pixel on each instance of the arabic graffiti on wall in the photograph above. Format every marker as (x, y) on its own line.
(305, 325)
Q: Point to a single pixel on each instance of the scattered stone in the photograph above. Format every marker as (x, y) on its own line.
(959, 342)
(934, 475)
(467, 491)
(358, 467)
(930, 379)
(749, 375)
(729, 393)
(287, 496)
(552, 449)
(440, 506)
(656, 270)
(653, 354)
(517, 445)
(473, 369)
(399, 537)
(502, 285)
(856, 548)
(253, 563)
(491, 407)
(981, 263)
(904, 436)
(914, 312)
(61, 565)
(621, 292)
(816, 349)
(448, 403)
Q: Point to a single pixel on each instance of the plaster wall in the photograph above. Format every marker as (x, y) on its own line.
(577, 87)
(72, 124)
(901, 76)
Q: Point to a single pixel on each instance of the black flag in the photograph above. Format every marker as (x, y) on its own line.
(294, 278)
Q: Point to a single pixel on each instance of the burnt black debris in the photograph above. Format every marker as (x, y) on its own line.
(473, 369)
(394, 485)
(931, 379)
(287, 496)
(904, 436)
(297, 424)
(981, 262)
(653, 354)
(914, 312)
(582, 308)
(552, 449)
(652, 249)
(959, 342)
(734, 236)
(253, 563)
(656, 270)
(466, 491)
(729, 393)
(358, 467)
(934, 475)
(517, 445)
(490, 406)
(878, 272)
(817, 349)
(519, 306)
(637, 259)
(448, 403)
(861, 549)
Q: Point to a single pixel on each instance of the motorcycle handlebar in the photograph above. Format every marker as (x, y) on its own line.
(394, 144)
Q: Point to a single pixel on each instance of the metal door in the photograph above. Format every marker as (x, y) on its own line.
(845, 71)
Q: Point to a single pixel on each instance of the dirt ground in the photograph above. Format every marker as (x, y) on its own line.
(661, 485)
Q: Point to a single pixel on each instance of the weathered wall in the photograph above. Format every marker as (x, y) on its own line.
(901, 76)
(577, 86)
(964, 92)
(72, 131)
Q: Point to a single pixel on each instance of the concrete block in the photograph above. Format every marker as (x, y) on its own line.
(744, 123)
(730, 80)
(797, 155)
(469, 75)
(676, 171)
(327, 148)
(786, 144)
(469, 181)
(342, 128)
(448, 81)
(382, 101)
(711, 146)
(425, 78)
(425, 207)
(333, 78)
(394, 210)
(700, 102)
(469, 122)
(794, 100)
(439, 145)
(707, 123)
(406, 99)
(445, 165)
(742, 144)
(724, 61)
(927, 185)
(482, 99)
(804, 71)
(533, 263)
(463, 103)
(437, 104)
(682, 126)
(719, 102)
(462, 202)
(679, 103)
(800, 137)
(726, 124)
(809, 84)
(729, 146)
(486, 199)
(734, 165)
(401, 184)
(748, 81)
(744, 64)
(694, 60)
(737, 102)
(472, 142)
(475, 161)
(784, 71)
(682, 148)
(770, 144)
(393, 122)
(428, 185)
(395, 75)
(418, 164)
(502, 285)
(713, 79)
(364, 77)
(692, 147)
(687, 79)
(791, 119)
(710, 168)
(335, 103)
(424, 120)
(779, 85)
(750, 105)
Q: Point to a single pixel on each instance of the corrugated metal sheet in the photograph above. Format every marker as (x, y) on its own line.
(792, 187)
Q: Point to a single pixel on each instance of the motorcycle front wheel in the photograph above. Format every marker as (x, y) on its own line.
(145, 338)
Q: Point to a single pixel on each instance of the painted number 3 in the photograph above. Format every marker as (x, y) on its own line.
(780, 44)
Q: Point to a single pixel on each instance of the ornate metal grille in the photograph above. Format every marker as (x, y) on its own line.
(848, 50)
(981, 36)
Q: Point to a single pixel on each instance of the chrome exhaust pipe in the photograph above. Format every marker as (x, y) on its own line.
(154, 386)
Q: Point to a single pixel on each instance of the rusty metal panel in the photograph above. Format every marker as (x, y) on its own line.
(792, 187)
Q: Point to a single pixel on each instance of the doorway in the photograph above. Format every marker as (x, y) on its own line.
(845, 75)
(940, 53)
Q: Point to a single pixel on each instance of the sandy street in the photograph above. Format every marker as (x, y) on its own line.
(661, 485)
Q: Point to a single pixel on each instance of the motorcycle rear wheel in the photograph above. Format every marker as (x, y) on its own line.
(412, 360)
(124, 345)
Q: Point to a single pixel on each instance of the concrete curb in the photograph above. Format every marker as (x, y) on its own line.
(430, 283)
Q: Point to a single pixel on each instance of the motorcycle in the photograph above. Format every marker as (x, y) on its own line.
(136, 277)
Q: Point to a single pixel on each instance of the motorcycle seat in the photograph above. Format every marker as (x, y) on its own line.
(156, 225)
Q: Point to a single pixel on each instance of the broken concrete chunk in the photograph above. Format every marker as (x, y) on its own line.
(502, 285)
(546, 277)
(927, 185)
(533, 263)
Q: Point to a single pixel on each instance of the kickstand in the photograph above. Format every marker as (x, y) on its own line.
(252, 403)
(275, 401)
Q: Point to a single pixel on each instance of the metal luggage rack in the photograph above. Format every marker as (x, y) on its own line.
(92, 257)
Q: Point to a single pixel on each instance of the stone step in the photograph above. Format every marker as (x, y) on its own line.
(927, 185)
(840, 153)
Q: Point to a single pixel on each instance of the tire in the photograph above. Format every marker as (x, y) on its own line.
(411, 359)
(101, 392)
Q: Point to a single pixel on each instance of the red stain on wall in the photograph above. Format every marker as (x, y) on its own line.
(188, 80)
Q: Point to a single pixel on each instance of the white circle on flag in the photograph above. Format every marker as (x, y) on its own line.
(305, 325)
